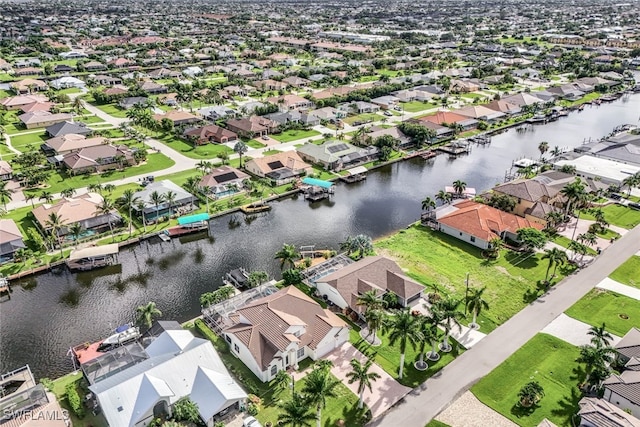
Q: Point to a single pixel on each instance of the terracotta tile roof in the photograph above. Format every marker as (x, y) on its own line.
(73, 141)
(445, 117)
(264, 325)
(206, 132)
(175, 116)
(483, 221)
(14, 101)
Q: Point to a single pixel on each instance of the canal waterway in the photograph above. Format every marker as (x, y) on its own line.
(50, 312)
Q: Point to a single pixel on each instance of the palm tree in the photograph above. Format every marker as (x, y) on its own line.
(157, 199)
(46, 196)
(29, 198)
(360, 373)
(140, 207)
(371, 300)
(429, 329)
(77, 105)
(106, 208)
(375, 320)
(594, 358)
(447, 311)
(572, 193)
(530, 394)
(76, 230)
(55, 223)
(282, 380)
(146, 313)
(459, 186)
(128, 201)
(68, 192)
(296, 412)
(630, 182)
(556, 257)
(5, 193)
(403, 328)
(170, 198)
(287, 256)
(95, 188)
(319, 386)
(240, 148)
(192, 185)
(444, 197)
(587, 239)
(257, 278)
(600, 336)
(543, 147)
(475, 304)
(428, 203)
(360, 245)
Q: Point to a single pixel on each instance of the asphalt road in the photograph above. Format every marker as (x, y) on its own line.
(434, 395)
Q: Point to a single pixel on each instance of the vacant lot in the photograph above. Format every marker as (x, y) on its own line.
(629, 272)
(620, 313)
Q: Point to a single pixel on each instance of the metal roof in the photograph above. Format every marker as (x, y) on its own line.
(94, 251)
(191, 219)
(317, 182)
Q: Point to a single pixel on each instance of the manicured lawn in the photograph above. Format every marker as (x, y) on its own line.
(320, 173)
(588, 97)
(415, 106)
(565, 241)
(254, 143)
(432, 257)
(600, 306)
(388, 358)
(293, 135)
(472, 95)
(113, 110)
(207, 151)
(28, 141)
(90, 119)
(629, 272)
(619, 215)
(547, 360)
(59, 389)
(270, 152)
(364, 118)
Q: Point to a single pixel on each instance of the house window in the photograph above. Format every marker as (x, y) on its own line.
(473, 239)
(228, 338)
(274, 370)
(461, 233)
(300, 353)
(236, 348)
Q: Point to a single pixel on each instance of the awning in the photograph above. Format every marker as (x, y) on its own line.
(317, 182)
(191, 219)
(94, 252)
(357, 170)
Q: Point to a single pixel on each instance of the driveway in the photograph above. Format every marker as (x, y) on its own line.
(385, 391)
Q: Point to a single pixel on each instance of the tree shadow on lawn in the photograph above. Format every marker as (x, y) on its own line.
(520, 411)
(568, 407)
(524, 260)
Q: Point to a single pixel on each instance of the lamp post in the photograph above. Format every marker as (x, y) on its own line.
(466, 294)
(292, 385)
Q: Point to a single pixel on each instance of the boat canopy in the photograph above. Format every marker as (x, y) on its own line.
(192, 219)
(357, 170)
(317, 182)
(94, 252)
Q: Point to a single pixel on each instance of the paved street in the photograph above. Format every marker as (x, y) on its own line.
(425, 402)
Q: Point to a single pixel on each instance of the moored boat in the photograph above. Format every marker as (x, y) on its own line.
(93, 257)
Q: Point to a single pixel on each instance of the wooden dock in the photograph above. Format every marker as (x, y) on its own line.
(455, 150)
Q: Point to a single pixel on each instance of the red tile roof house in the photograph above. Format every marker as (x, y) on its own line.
(448, 118)
(210, 133)
(377, 273)
(17, 102)
(478, 224)
(274, 333)
(252, 126)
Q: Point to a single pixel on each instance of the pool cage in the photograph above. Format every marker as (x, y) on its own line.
(313, 274)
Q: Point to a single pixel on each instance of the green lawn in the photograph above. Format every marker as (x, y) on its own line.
(472, 95)
(364, 118)
(618, 312)
(565, 241)
(629, 272)
(28, 141)
(206, 151)
(90, 119)
(293, 135)
(415, 106)
(436, 423)
(547, 360)
(254, 143)
(432, 257)
(588, 97)
(320, 173)
(388, 358)
(59, 389)
(113, 110)
(270, 152)
(619, 215)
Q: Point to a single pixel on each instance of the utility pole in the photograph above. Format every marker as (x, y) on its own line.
(466, 294)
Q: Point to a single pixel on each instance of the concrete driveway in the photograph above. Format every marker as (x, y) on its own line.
(385, 391)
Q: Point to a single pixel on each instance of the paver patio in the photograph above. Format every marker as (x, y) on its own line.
(571, 330)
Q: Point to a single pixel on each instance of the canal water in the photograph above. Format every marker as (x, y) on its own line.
(51, 312)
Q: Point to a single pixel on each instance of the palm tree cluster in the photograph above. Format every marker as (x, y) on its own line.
(209, 298)
(596, 356)
(359, 246)
(145, 314)
(631, 182)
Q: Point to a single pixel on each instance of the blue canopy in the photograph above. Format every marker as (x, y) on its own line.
(317, 182)
(190, 219)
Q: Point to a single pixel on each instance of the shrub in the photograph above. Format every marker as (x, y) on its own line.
(74, 400)
(47, 383)
(252, 409)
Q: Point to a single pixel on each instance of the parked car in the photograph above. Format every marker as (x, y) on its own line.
(265, 137)
(634, 206)
(251, 422)
(387, 113)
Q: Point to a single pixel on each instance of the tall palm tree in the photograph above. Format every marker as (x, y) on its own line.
(170, 198)
(428, 203)
(403, 328)
(371, 300)
(447, 311)
(594, 357)
(55, 222)
(375, 319)
(459, 186)
(429, 329)
(444, 197)
(76, 230)
(157, 199)
(543, 147)
(140, 207)
(146, 313)
(5, 193)
(128, 201)
(95, 188)
(282, 380)
(572, 193)
(360, 373)
(29, 198)
(240, 148)
(192, 185)
(287, 256)
(600, 336)
(295, 412)
(46, 196)
(68, 192)
(475, 304)
(556, 257)
(319, 386)
(106, 208)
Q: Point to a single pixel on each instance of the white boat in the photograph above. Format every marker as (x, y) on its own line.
(119, 338)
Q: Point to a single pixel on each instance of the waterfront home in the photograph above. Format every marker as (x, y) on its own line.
(337, 155)
(6, 171)
(16, 102)
(628, 350)
(223, 181)
(39, 119)
(182, 202)
(280, 168)
(478, 224)
(10, 239)
(523, 100)
(480, 112)
(70, 142)
(83, 209)
(447, 118)
(138, 385)
(66, 127)
(504, 107)
(376, 273)
(98, 158)
(403, 140)
(609, 172)
(210, 133)
(596, 412)
(624, 148)
(442, 132)
(276, 332)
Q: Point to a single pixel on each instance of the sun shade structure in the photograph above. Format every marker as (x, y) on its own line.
(94, 252)
(317, 182)
(193, 219)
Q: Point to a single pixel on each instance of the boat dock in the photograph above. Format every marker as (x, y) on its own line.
(255, 207)
(359, 173)
(93, 257)
(317, 189)
(456, 148)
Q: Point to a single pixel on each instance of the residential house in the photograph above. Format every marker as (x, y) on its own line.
(403, 140)
(624, 391)
(177, 117)
(153, 87)
(164, 73)
(478, 224)
(6, 171)
(16, 102)
(534, 199)
(504, 107)
(337, 155)
(361, 107)
(377, 273)
(628, 350)
(266, 85)
(210, 133)
(116, 91)
(386, 102)
(70, 142)
(281, 167)
(290, 102)
(28, 71)
(28, 86)
(609, 172)
(120, 62)
(328, 114)
(104, 80)
(252, 126)
(65, 128)
(173, 366)
(480, 112)
(183, 200)
(442, 132)
(523, 100)
(83, 209)
(217, 112)
(223, 181)
(463, 86)
(63, 69)
(296, 81)
(39, 119)
(37, 106)
(448, 118)
(94, 66)
(66, 82)
(10, 239)
(596, 412)
(276, 332)
(130, 102)
(98, 158)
